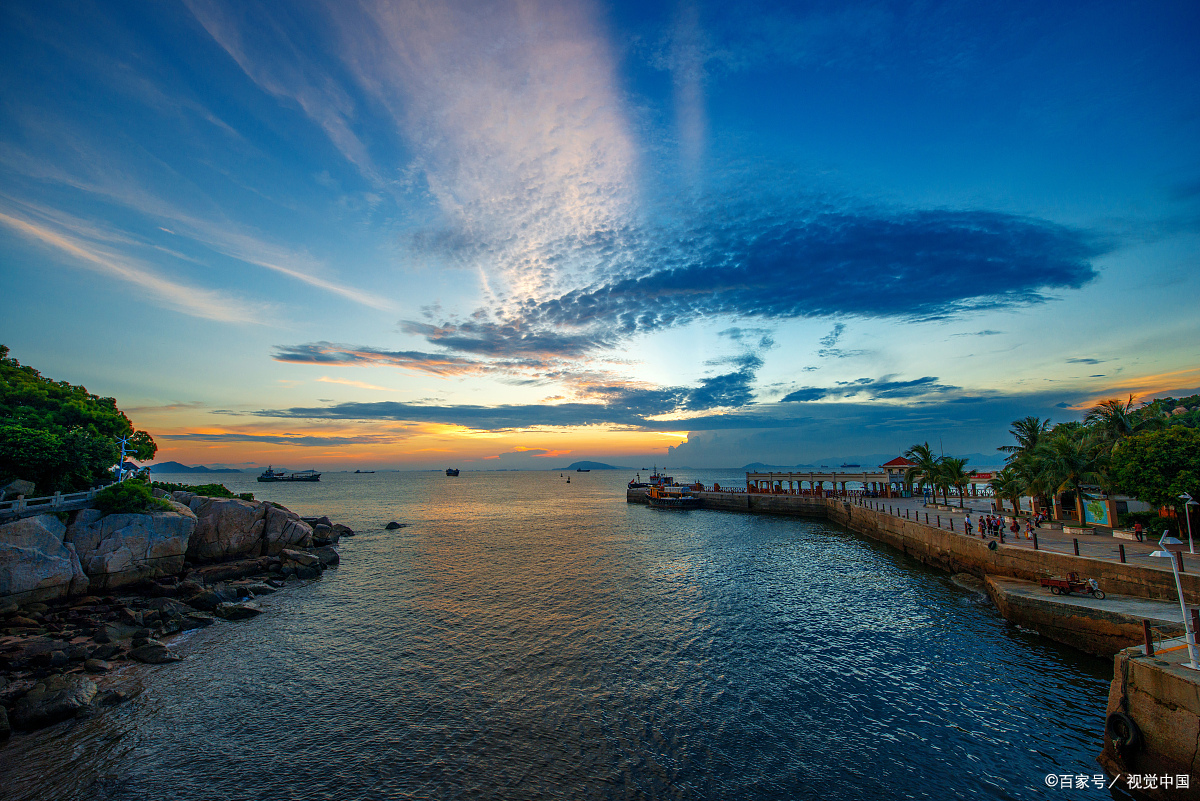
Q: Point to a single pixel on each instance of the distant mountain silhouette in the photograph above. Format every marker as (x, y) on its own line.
(591, 466)
(176, 467)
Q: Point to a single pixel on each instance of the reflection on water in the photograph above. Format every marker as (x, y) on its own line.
(525, 638)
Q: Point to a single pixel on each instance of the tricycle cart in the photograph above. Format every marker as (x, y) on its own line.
(1072, 583)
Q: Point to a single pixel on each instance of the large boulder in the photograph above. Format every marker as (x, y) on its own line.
(35, 563)
(285, 529)
(116, 550)
(226, 528)
(57, 698)
(18, 487)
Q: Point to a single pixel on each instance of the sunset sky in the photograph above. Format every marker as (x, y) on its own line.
(520, 234)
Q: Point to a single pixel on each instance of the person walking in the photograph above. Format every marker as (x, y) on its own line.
(1137, 530)
(967, 525)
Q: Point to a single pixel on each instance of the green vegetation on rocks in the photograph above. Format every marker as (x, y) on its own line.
(207, 490)
(129, 497)
(58, 435)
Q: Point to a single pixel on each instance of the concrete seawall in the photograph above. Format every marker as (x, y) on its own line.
(954, 551)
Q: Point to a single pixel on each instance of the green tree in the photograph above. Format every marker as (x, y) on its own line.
(1069, 460)
(1158, 466)
(58, 435)
(1028, 432)
(1008, 485)
(926, 468)
(1112, 420)
(952, 472)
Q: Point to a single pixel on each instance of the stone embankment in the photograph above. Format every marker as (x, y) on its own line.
(79, 598)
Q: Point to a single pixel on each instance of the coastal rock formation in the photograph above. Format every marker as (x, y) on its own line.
(285, 529)
(54, 699)
(16, 488)
(226, 528)
(121, 549)
(35, 562)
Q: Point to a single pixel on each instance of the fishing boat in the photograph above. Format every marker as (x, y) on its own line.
(637, 483)
(271, 474)
(452, 471)
(673, 496)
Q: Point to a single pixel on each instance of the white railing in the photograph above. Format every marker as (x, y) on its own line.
(58, 502)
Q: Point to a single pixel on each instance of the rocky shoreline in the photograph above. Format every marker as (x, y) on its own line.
(82, 597)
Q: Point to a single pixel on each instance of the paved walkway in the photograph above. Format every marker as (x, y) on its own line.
(1140, 608)
(1095, 546)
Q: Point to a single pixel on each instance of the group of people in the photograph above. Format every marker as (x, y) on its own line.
(995, 526)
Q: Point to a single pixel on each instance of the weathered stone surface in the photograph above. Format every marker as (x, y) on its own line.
(324, 535)
(57, 698)
(308, 572)
(12, 489)
(35, 563)
(211, 574)
(290, 556)
(5, 729)
(96, 666)
(208, 600)
(197, 620)
(226, 528)
(117, 550)
(154, 653)
(242, 611)
(343, 531)
(285, 529)
(392, 526)
(328, 556)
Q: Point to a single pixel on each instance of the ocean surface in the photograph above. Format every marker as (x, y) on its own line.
(525, 638)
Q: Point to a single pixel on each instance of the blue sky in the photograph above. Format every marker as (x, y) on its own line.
(510, 234)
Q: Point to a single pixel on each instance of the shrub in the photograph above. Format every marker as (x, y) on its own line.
(129, 497)
(207, 490)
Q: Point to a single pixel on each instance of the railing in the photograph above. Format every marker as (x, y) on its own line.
(58, 502)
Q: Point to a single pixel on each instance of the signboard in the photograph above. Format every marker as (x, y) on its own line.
(1096, 511)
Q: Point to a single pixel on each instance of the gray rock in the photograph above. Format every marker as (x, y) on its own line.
(104, 652)
(57, 698)
(117, 550)
(12, 489)
(35, 563)
(154, 653)
(227, 528)
(111, 698)
(197, 620)
(343, 531)
(208, 600)
(328, 556)
(306, 572)
(96, 666)
(392, 525)
(285, 529)
(242, 611)
(298, 558)
(169, 607)
(323, 535)
(5, 729)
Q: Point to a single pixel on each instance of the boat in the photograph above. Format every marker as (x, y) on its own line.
(452, 471)
(271, 474)
(581, 470)
(637, 483)
(674, 496)
(364, 471)
(852, 465)
(658, 479)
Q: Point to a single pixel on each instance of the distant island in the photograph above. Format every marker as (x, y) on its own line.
(176, 467)
(591, 466)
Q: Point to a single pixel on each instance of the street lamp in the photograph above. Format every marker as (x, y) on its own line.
(1188, 514)
(1171, 546)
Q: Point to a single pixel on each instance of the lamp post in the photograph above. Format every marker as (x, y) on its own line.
(1187, 512)
(1171, 546)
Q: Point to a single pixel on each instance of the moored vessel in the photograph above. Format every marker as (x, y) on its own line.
(452, 471)
(674, 496)
(271, 474)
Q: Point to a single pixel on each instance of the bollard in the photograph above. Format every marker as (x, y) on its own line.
(1149, 638)
(939, 521)
(1179, 562)
(952, 524)
(927, 518)
(1035, 542)
(1195, 621)
(1077, 546)
(1121, 545)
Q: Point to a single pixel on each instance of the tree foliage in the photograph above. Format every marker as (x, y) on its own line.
(58, 435)
(129, 497)
(1159, 466)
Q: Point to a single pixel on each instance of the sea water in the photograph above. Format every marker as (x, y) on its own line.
(528, 638)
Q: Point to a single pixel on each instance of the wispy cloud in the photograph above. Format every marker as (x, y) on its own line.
(351, 383)
(195, 301)
(886, 388)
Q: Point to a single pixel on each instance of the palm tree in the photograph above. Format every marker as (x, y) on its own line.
(1028, 432)
(1113, 420)
(953, 473)
(1008, 485)
(1070, 459)
(926, 467)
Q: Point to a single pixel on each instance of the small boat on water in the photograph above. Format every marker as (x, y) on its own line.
(452, 471)
(637, 483)
(672, 497)
(364, 471)
(581, 470)
(271, 474)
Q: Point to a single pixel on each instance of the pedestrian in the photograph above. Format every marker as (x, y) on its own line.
(967, 525)
(1137, 530)
(1029, 529)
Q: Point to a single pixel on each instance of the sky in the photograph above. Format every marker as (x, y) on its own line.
(351, 235)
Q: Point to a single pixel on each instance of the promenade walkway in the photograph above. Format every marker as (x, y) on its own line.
(1095, 546)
